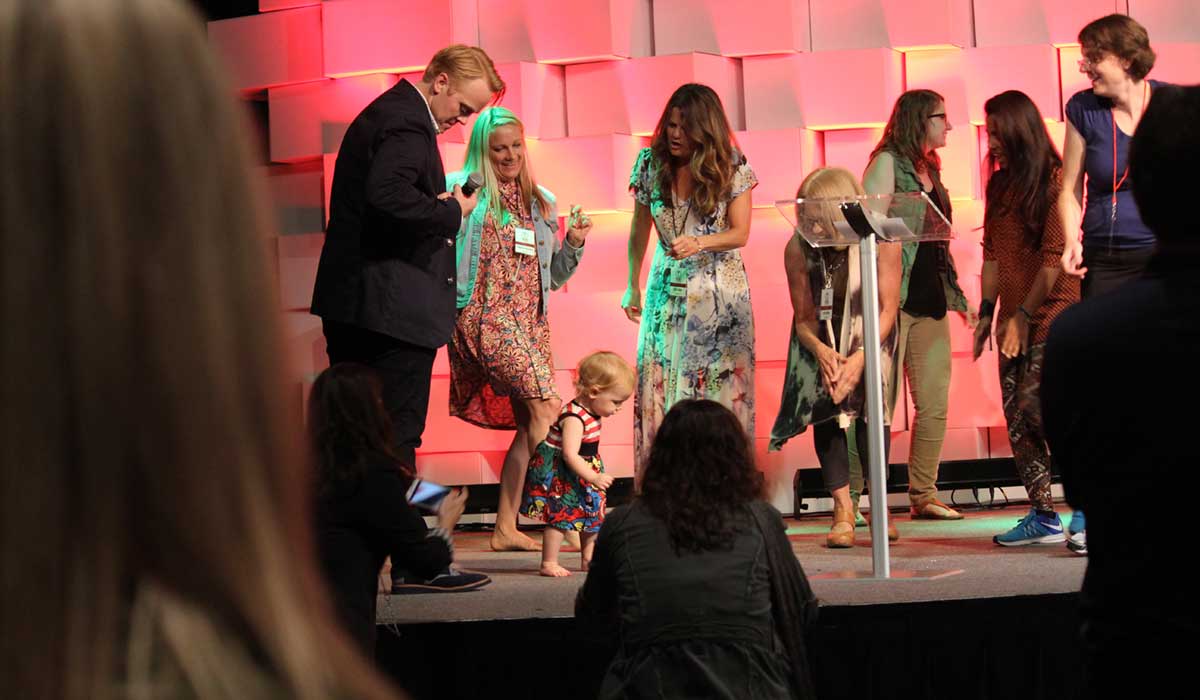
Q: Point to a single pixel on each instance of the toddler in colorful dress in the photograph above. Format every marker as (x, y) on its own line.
(565, 484)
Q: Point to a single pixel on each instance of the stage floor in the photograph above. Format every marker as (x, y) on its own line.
(988, 571)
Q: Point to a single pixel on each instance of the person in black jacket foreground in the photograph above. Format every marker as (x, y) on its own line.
(363, 515)
(697, 574)
(1129, 434)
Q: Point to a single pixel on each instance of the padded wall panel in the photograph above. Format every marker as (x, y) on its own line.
(627, 97)
(309, 120)
(298, 258)
(794, 90)
(372, 36)
(1168, 20)
(781, 159)
(851, 148)
(297, 196)
(900, 24)
(551, 31)
(537, 95)
(591, 171)
(272, 5)
(730, 29)
(1015, 22)
(605, 258)
(276, 48)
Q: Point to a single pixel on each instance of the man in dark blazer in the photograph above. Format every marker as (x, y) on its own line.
(385, 288)
(1119, 389)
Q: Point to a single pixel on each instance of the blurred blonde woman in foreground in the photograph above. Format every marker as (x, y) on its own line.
(153, 505)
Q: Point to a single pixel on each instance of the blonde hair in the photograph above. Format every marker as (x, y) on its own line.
(462, 63)
(604, 370)
(154, 517)
(479, 160)
(829, 182)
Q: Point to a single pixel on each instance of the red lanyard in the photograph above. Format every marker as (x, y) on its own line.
(1117, 183)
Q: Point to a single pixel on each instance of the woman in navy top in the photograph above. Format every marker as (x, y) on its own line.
(1115, 243)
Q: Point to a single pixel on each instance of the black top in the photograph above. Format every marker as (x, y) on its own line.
(926, 295)
(388, 263)
(690, 625)
(1115, 364)
(361, 524)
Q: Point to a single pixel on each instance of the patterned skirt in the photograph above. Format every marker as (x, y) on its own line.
(557, 496)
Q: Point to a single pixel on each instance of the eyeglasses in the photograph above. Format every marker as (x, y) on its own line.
(941, 115)
(1090, 61)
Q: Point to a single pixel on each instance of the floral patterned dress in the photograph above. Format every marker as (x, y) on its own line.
(697, 335)
(556, 495)
(501, 342)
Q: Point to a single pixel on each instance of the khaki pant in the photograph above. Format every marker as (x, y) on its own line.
(924, 353)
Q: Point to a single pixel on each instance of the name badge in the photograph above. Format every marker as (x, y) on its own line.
(678, 285)
(825, 309)
(523, 243)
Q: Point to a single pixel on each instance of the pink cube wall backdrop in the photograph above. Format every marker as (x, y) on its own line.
(805, 83)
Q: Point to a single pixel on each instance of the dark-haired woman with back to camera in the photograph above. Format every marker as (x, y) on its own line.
(698, 575)
(1022, 246)
(1107, 243)
(363, 515)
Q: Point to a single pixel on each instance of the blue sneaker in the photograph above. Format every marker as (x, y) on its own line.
(1077, 542)
(1033, 529)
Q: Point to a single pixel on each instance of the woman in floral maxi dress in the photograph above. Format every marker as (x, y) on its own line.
(697, 327)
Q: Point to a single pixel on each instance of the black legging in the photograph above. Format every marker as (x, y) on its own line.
(833, 453)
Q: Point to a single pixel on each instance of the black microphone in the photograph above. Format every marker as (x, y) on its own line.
(474, 182)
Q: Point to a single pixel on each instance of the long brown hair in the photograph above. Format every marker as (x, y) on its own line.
(153, 497)
(906, 130)
(349, 427)
(1023, 185)
(713, 160)
(700, 473)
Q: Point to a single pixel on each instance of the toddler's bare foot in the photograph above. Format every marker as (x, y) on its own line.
(514, 541)
(550, 568)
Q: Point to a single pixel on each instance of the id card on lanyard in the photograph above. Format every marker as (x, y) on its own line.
(523, 242)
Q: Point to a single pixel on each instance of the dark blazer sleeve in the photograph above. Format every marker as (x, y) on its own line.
(412, 545)
(400, 161)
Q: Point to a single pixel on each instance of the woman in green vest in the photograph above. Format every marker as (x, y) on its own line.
(906, 160)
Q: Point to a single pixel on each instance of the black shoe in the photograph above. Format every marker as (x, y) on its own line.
(449, 581)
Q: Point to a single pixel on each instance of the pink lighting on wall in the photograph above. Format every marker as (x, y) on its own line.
(806, 83)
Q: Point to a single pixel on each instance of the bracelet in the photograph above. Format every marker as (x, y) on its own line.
(1025, 312)
(987, 308)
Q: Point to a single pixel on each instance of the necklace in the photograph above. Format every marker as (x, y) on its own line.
(1116, 184)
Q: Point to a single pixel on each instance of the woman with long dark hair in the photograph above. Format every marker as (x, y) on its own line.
(363, 515)
(1022, 246)
(698, 570)
(906, 160)
(697, 327)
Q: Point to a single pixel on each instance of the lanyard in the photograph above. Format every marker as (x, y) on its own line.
(1115, 182)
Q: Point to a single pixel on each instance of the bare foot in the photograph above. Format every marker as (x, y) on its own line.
(550, 568)
(513, 542)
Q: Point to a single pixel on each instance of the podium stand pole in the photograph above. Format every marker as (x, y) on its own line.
(873, 384)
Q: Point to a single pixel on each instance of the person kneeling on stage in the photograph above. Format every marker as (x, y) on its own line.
(823, 386)
(363, 515)
(700, 574)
